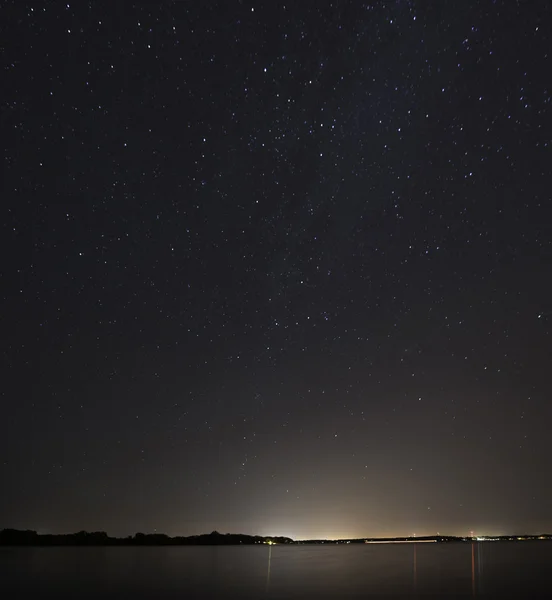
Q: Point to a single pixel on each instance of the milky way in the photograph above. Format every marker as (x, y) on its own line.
(276, 268)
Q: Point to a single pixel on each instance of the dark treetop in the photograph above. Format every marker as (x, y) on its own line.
(13, 537)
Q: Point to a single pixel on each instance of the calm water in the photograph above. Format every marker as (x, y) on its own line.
(344, 571)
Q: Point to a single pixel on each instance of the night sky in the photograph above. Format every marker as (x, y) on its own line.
(276, 268)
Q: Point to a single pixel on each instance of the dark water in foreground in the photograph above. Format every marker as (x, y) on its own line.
(500, 569)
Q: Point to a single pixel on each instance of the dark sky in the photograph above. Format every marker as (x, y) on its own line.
(276, 268)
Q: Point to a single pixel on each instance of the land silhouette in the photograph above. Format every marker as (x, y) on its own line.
(17, 537)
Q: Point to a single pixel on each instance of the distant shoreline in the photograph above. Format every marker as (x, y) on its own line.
(15, 537)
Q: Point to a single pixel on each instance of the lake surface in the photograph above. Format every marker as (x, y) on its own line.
(500, 569)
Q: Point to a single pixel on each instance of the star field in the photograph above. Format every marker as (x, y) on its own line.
(276, 268)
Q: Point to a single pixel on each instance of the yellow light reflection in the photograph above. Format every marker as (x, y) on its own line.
(268, 570)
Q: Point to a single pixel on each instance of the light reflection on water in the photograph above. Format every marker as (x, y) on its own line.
(338, 571)
(414, 571)
(268, 570)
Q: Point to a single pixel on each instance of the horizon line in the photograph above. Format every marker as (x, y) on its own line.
(412, 537)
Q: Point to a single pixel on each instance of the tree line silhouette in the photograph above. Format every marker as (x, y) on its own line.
(16, 537)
